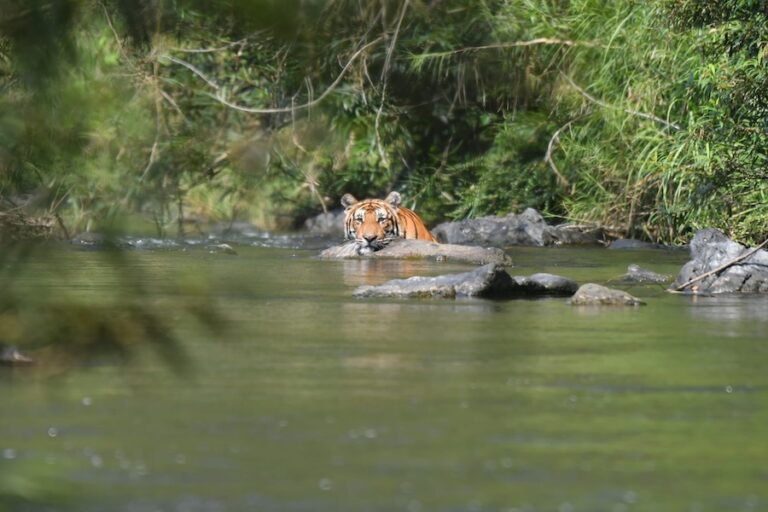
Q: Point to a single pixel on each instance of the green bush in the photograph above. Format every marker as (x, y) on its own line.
(648, 118)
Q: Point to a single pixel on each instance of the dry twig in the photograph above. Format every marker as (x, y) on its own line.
(561, 180)
(603, 104)
(720, 268)
(521, 44)
(384, 81)
(284, 110)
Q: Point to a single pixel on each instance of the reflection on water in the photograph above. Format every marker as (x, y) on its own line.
(359, 272)
(211, 242)
(314, 401)
(730, 308)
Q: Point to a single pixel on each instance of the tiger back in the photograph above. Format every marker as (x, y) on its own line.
(373, 223)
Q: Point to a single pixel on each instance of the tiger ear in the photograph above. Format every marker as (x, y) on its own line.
(394, 199)
(348, 200)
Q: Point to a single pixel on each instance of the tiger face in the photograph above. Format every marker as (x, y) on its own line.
(371, 223)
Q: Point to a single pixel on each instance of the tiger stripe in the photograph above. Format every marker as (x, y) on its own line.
(373, 223)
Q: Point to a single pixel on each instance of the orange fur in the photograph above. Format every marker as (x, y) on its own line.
(372, 223)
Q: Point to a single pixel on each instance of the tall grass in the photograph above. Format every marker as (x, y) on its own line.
(647, 118)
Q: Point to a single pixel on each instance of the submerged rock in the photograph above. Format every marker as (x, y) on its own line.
(488, 281)
(235, 230)
(591, 294)
(527, 228)
(711, 249)
(407, 249)
(222, 249)
(637, 274)
(545, 284)
(10, 356)
(633, 244)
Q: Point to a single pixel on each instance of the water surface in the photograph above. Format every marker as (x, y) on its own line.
(313, 401)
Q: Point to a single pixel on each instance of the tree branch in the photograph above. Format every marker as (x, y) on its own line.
(218, 49)
(515, 44)
(194, 70)
(284, 110)
(561, 180)
(628, 111)
(384, 81)
(720, 268)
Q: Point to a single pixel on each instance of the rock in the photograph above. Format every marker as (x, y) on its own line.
(331, 223)
(572, 234)
(488, 281)
(591, 294)
(406, 249)
(545, 284)
(222, 249)
(10, 356)
(710, 249)
(527, 228)
(15, 225)
(88, 239)
(637, 274)
(235, 230)
(633, 244)
(151, 243)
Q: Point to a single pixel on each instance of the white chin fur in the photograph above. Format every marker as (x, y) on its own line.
(364, 251)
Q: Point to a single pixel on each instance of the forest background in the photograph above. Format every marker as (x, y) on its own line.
(649, 118)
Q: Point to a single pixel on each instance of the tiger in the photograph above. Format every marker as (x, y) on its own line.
(374, 223)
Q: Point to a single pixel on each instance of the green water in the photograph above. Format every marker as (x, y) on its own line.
(314, 401)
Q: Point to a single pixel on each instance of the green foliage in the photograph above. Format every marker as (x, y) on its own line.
(645, 117)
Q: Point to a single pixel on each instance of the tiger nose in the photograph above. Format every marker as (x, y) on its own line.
(369, 237)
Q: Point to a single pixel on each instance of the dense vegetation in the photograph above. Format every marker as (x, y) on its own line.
(648, 118)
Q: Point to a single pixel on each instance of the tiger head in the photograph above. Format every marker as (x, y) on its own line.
(371, 223)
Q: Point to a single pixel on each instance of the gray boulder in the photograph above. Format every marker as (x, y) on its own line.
(488, 281)
(711, 249)
(408, 249)
(330, 224)
(591, 294)
(633, 244)
(545, 284)
(637, 274)
(527, 228)
(575, 234)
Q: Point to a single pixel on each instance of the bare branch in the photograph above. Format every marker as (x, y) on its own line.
(173, 103)
(153, 153)
(628, 111)
(384, 75)
(515, 44)
(720, 268)
(309, 104)
(194, 70)
(112, 28)
(561, 180)
(218, 49)
(391, 49)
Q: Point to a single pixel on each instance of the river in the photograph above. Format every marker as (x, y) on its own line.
(310, 400)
